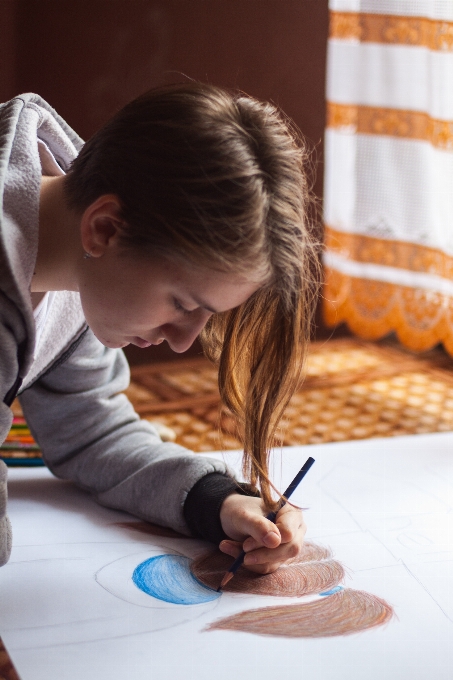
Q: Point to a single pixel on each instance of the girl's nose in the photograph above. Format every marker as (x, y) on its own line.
(181, 337)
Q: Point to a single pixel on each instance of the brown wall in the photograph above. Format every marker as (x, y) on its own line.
(89, 57)
(7, 49)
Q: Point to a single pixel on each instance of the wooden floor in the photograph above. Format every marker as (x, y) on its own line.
(7, 670)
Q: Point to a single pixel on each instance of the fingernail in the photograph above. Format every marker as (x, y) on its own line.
(270, 538)
(225, 547)
(250, 559)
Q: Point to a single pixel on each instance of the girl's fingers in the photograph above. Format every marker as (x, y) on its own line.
(261, 531)
(264, 560)
(261, 555)
(233, 548)
(292, 529)
(283, 553)
(243, 517)
(234, 551)
(251, 544)
(267, 568)
(267, 545)
(290, 523)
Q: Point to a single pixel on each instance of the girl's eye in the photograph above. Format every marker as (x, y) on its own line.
(180, 308)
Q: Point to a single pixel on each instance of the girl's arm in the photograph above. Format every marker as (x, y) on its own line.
(89, 433)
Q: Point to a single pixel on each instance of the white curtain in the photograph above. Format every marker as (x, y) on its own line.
(389, 170)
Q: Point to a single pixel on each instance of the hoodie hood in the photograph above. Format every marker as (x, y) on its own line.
(23, 121)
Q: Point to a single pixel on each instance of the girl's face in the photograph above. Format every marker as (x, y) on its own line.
(129, 299)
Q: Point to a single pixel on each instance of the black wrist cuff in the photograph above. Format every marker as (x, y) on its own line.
(203, 503)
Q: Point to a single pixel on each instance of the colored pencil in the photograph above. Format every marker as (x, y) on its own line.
(19, 447)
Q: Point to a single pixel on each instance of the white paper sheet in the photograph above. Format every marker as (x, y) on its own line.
(69, 609)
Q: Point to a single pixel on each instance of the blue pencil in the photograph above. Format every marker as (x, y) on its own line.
(271, 516)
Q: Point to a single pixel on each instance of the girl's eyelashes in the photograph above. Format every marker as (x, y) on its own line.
(180, 308)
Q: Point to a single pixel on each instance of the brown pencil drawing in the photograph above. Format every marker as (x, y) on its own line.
(310, 572)
(343, 613)
(313, 571)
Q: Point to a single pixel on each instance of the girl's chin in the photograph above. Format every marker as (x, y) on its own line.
(111, 344)
(115, 345)
(140, 342)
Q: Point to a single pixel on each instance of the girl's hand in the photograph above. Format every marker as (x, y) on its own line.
(267, 545)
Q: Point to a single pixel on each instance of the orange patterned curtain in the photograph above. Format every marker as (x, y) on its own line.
(389, 170)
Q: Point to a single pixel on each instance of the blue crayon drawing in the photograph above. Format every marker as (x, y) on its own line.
(336, 589)
(168, 578)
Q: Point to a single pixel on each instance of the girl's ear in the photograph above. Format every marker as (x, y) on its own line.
(100, 225)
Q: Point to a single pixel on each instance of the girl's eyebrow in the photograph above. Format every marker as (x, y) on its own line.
(200, 303)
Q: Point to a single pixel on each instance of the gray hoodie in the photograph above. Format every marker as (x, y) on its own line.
(70, 385)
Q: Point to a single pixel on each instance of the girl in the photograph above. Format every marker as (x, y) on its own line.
(185, 214)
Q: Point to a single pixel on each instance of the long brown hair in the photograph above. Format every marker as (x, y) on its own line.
(220, 180)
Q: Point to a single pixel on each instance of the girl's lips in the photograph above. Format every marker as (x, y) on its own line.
(141, 343)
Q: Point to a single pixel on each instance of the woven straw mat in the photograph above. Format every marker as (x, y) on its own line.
(352, 390)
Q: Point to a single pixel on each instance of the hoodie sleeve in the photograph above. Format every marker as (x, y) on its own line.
(12, 339)
(89, 433)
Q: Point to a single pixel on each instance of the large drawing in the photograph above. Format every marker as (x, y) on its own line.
(90, 592)
(324, 608)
